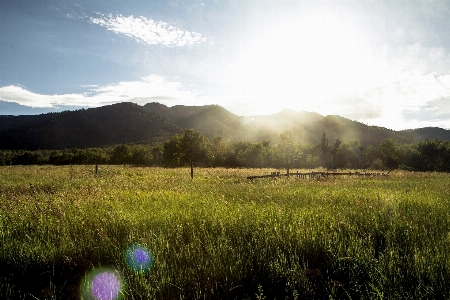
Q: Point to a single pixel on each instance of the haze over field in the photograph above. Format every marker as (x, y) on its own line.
(385, 63)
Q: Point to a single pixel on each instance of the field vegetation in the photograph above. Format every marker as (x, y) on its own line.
(221, 236)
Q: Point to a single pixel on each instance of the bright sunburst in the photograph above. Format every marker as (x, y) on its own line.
(307, 61)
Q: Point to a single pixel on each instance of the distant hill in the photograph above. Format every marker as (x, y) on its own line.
(94, 127)
(268, 128)
(337, 127)
(213, 120)
(155, 122)
(427, 133)
(210, 120)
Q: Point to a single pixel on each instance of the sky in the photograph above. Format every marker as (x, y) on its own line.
(383, 63)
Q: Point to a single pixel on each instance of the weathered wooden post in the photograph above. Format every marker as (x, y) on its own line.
(192, 170)
(96, 169)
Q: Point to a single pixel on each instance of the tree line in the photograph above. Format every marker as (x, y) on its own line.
(194, 149)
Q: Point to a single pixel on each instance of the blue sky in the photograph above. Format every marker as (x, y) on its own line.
(384, 63)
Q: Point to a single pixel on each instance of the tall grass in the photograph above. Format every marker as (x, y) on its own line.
(222, 236)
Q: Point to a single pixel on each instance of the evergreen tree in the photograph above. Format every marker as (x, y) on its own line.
(324, 151)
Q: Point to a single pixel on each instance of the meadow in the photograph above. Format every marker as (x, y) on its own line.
(222, 236)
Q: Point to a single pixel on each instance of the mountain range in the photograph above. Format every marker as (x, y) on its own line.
(154, 123)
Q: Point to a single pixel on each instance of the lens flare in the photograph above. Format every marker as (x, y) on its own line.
(138, 258)
(102, 284)
(105, 286)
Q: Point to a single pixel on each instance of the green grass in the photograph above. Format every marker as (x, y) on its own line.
(222, 236)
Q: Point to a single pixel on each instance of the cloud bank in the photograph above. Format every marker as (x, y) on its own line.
(407, 100)
(148, 31)
(141, 92)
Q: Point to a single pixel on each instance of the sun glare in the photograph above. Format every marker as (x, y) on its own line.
(306, 63)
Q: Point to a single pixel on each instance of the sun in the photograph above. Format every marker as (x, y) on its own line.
(305, 63)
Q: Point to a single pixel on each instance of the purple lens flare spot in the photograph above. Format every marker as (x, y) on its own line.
(138, 258)
(105, 286)
(141, 256)
(102, 284)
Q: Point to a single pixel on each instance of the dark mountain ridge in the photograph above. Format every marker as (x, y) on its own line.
(94, 127)
(154, 123)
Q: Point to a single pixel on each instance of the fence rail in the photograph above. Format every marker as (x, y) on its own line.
(316, 175)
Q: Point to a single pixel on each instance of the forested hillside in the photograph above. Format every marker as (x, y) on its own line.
(94, 127)
(154, 123)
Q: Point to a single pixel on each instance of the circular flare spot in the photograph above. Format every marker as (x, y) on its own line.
(138, 258)
(105, 286)
(102, 284)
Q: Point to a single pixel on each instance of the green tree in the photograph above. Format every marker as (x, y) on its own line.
(370, 155)
(335, 163)
(231, 156)
(28, 158)
(312, 161)
(433, 155)
(324, 151)
(79, 156)
(389, 153)
(122, 154)
(60, 157)
(248, 154)
(6, 157)
(157, 155)
(286, 151)
(194, 148)
(342, 157)
(187, 149)
(97, 156)
(141, 155)
(304, 151)
(349, 155)
(411, 158)
(218, 151)
(172, 151)
(356, 155)
(446, 155)
(252, 156)
(236, 158)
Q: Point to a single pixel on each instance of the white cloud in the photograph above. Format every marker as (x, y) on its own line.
(418, 57)
(148, 31)
(153, 86)
(408, 98)
(20, 95)
(141, 92)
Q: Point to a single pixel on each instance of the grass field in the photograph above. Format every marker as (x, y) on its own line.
(222, 236)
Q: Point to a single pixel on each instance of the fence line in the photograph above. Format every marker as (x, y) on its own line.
(316, 175)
